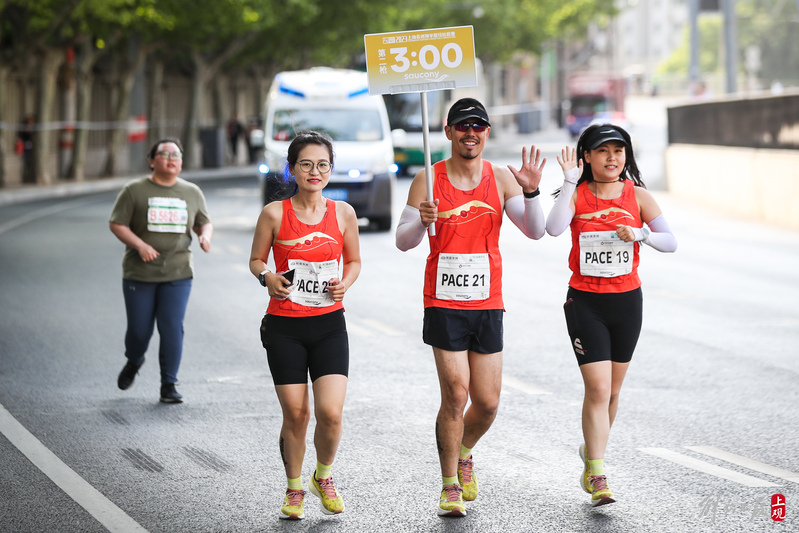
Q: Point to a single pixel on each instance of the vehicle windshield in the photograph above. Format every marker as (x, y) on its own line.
(405, 111)
(340, 124)
(588, 105)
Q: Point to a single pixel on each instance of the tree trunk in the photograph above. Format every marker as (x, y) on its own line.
(3, 83)
(49, 62)
(122, 111)
(84, 82)
(191, 129)
(155, 114)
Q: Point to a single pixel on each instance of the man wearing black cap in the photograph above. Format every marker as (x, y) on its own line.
(463, 283)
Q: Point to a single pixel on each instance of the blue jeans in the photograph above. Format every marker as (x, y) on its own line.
(164, 304)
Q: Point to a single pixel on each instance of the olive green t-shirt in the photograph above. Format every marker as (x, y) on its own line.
(163, 217)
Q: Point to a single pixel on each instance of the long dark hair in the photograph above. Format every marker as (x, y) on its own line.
(630, 170)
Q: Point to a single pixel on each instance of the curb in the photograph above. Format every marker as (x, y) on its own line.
(97, 185)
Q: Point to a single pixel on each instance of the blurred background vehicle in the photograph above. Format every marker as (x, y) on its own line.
(335, 102)
(594, 97)
(405, 116)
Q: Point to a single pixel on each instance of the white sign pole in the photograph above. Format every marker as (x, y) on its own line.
(428, 171)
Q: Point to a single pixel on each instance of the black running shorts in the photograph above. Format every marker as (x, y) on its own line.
(297, 346)
(457, 330)
(603, 326)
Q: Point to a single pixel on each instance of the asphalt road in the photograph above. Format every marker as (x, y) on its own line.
(707, 430)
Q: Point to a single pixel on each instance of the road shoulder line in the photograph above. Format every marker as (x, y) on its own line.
(101, 508)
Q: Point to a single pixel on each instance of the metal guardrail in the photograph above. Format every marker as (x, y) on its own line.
(770, 122)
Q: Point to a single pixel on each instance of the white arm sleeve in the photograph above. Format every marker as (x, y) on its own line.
(660, 237)
(561, 215)
(527, 214)
(410, 230)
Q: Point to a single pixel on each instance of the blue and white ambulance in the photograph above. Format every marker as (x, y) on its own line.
(335, 102)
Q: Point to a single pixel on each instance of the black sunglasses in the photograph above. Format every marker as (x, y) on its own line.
(463, 127)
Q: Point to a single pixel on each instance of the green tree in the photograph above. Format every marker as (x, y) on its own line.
(710, 60)
(769, 25)
(773, 27)
(33, 33)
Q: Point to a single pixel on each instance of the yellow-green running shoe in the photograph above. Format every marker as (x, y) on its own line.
(451, 503)
(293, 508)
(601, 494)
(584, 477)
(326, 490)
(467, 478)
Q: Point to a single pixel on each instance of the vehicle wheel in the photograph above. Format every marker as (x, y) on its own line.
(382, 223)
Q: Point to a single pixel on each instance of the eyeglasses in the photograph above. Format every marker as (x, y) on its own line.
(322, 166)
(171, 155)
(463, 127)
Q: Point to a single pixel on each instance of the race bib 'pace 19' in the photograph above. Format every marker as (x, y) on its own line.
(604, 255)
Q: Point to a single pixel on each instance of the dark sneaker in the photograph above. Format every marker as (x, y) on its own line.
(169, 394)
(128, 374)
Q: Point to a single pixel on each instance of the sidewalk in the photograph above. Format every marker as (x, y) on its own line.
(30, 193)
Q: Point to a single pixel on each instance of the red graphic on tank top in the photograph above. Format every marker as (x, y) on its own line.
(307, 242)
(468, 223)
(594, 214)
(472, 218)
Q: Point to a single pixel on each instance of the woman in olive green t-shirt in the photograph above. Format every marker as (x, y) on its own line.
(154, 217)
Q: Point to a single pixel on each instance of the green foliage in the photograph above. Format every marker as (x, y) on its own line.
(298, 33)
(710, 60)
(773, 27)
(770, 25)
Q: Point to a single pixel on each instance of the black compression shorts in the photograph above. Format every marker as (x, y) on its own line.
(297, 346)
(603, 326)
(457, 330)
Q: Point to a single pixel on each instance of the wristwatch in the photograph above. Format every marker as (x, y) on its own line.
(262, 277)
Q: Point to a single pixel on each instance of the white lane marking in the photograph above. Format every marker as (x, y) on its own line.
(707, 468)
(45, 212)
(241, 268)
(358, 331)
(751, 464)
(104, 510)
(521, 385)
(235, 250)
(382, 328)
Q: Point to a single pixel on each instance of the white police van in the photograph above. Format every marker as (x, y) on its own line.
(335, 102)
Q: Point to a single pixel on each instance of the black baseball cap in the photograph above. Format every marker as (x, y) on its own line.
(603, 134)
(464, 109)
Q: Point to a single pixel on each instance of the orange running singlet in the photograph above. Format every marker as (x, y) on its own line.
(464, 268)
(599, 260)
(314, 252)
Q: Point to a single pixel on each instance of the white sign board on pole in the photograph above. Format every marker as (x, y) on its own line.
(421, 61)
